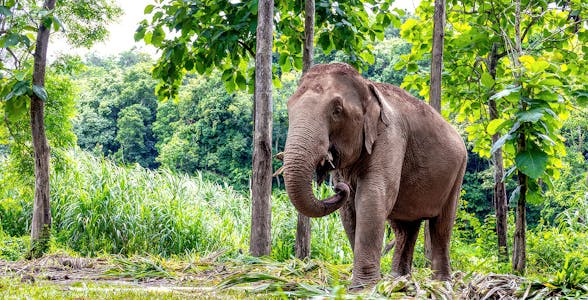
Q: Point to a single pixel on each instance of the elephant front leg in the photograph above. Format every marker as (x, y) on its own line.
(369, 234)
(347, 212)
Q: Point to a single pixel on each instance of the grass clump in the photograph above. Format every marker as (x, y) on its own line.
(100, 207)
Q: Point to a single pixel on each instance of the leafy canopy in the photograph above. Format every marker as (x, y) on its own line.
(534, 90)
(201, 36)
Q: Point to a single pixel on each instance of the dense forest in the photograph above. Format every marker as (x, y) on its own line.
(141, 166)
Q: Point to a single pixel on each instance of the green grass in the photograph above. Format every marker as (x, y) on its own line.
(101, 208)
(145, 218)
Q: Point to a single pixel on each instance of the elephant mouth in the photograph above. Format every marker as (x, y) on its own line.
(327, 164)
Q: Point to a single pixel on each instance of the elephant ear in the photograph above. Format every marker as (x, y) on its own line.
(376, 109)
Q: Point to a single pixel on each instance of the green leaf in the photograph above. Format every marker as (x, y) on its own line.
(158, 36)
(532, 162)
(532, 115)
(5, 11)
(534, 197)
(487, 80)
(551, 82)
(40, 92)
(240, 81)
(56, 23)
(15, 108)
(516, 193)
(500, 142)
(148, 9)
(147, 37)
(18, 89)
(495, 125)
(47, 20)
(11, 39)
(505, 93)
(412, 67)
(140, 33)
(581, 97)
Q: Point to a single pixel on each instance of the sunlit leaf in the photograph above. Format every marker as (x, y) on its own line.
(487, 80)
(495, 125)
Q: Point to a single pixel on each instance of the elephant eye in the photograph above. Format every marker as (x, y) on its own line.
(337, 107)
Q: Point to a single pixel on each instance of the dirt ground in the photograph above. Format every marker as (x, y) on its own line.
(72, 273)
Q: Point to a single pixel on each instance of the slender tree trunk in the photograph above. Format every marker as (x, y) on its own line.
(437, 55)
(41, 224)
(260, 243)
(499, 197)
(435, 87)
(519, 254)
(302, 247)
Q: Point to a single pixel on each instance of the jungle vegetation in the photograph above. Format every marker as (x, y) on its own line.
(143, 164)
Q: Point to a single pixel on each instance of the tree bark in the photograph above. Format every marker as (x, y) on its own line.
(499, 197)
(41, 223)
(260, 242)
(435, 86)
(302, 246)
(437, 55)
(519, 254)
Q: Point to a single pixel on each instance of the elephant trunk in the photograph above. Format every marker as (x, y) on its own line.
(300, 162)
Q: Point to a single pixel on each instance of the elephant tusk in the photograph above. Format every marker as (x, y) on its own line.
(280, 156)
(280, 171)
(330, 159)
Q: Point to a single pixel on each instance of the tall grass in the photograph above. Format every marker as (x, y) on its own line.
(99, 207)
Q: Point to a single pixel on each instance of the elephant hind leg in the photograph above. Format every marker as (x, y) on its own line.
(406, 235)
(440, 229)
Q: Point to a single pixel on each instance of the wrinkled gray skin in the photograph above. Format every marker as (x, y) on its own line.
(394, 159)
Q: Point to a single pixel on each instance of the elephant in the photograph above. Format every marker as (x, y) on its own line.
(393, 158)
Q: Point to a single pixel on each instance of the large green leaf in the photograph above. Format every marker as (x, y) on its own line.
(532, 162)
(532, 115)
(500, 142)
(40, 92)
(495, 125)
(505, 92)
(5, 11)
(487, 80)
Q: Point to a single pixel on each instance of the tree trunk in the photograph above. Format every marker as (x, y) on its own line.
(435, 87)
(519, 254)
(41, 223)
(499, 197)
(260, 243)
(302, 246)
(437, 55)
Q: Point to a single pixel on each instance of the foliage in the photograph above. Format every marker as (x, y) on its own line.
(154, 212)
(117, 108)
(17, 34)
(549, 75)
(211, 131)
(211, 35)
(17, 176)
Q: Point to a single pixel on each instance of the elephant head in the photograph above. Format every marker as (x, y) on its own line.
(333, 117)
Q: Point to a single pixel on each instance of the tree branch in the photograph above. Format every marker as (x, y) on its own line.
(247, 48)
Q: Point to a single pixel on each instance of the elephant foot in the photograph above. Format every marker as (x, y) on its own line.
(442, 276)
(363, 283)
(358, 288)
